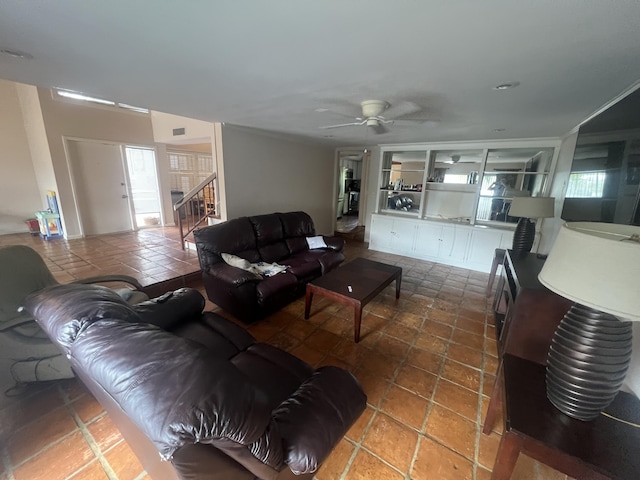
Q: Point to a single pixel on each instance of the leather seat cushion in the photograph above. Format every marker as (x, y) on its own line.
(271, 286)
(274, 371)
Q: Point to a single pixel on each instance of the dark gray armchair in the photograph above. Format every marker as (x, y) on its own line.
(26, 353)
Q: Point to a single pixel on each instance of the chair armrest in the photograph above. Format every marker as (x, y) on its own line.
(334, 243)
(111, 278)
(172, 308)
(233, 275)
(314, 419)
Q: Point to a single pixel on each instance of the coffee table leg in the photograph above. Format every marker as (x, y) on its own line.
(356, 323)
(398, 282)
(307, 302)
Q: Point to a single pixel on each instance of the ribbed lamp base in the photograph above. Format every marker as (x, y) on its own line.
(587, 362)
(523, 236)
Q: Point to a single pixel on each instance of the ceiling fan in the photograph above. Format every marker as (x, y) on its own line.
(372, 115)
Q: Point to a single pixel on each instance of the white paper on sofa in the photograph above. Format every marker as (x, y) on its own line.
(316, 242)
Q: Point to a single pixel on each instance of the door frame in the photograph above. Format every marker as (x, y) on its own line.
(74, 181)
(123, 147)
(364, 177)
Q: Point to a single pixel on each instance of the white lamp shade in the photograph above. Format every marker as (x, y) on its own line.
(532, 207)
(597, 265)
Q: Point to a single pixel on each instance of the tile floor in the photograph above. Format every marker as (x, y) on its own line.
(426, 362)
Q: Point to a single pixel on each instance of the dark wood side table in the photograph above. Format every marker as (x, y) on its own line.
(587, 450)
(519, 273)
(355, 283)
(600, 449)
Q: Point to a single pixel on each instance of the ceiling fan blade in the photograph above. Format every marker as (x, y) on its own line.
(347, 110)
(414, 123)
(379, 129)
(343, 125)
(401, 109)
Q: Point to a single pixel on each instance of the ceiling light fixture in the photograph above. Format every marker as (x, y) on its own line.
(499, 129)
(506, 85)
(15, 53)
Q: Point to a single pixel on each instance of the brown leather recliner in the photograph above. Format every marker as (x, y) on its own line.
(194, 395)
(275, 237)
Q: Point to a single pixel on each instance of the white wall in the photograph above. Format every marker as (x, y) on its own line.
(67, 119)
(264, 173)
(19, 195)
(195, 130)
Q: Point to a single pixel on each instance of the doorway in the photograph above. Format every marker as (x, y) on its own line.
(143, 180)
(115, 187)
(350, 213)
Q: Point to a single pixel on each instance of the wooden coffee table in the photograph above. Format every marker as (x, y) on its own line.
(355, 283)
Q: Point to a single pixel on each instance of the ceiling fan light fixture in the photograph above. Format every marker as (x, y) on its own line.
(373, 108)
(373, 122)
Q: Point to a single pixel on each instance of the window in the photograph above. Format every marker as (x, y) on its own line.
(454, 178)
(586, 184)
(188, 169)
(100, 101)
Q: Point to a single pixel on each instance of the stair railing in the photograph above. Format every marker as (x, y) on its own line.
(196, 207)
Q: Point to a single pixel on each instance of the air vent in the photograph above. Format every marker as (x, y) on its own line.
(178, 131)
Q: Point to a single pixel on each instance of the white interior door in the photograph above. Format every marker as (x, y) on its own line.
(101, 187)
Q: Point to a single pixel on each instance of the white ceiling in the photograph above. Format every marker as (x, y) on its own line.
(270, 65)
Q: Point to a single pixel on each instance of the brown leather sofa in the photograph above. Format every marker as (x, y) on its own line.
(275, 237)
(193, 394)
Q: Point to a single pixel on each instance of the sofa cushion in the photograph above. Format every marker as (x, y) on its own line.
(204, 398)
(234, 236)
(276, 372)
(297, 224)
(304, 265)
(70, 308)
(172, 308)
(271, 286)
(330, 392)
(269, 237)
(297, 244)
(217, 334)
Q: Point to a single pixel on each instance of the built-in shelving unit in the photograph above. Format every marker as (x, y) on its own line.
(450, 203)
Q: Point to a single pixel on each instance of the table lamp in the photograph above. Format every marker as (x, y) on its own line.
(528, 208)
(597, 265)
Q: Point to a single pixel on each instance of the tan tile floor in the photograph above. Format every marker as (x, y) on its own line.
(427, 363)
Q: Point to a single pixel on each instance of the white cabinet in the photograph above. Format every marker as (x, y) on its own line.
(482, 246)
(460, 245)
(394, 235)
(441, 242)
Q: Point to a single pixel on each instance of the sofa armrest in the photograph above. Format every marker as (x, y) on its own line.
(233, 275)
(314, 419)
(334, 243)
(172, 308)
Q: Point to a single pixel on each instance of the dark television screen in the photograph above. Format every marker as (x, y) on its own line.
(604, 183)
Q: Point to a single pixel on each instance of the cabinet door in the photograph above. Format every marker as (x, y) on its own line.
(403, 236)
(482, 248)
(381, 233)
(428, 240)
(454, 243)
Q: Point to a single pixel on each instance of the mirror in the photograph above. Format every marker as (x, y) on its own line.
(509, 173)
(460, 167)
(604, 183)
